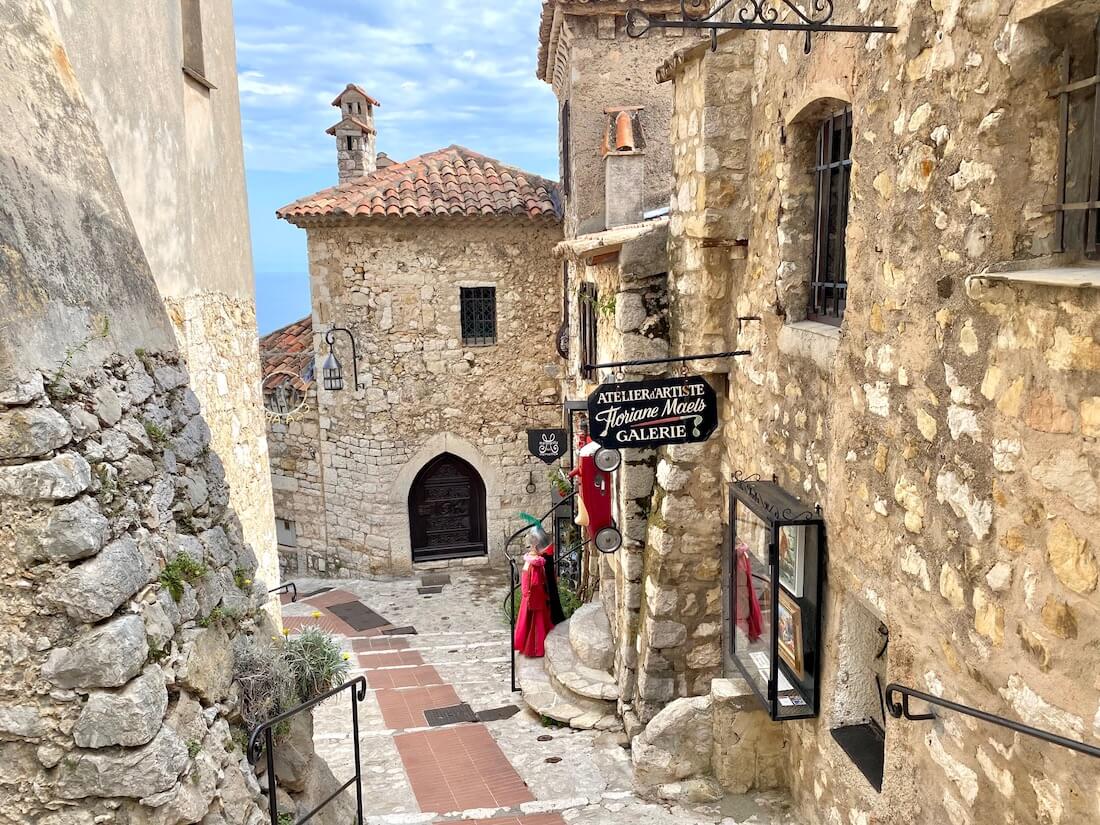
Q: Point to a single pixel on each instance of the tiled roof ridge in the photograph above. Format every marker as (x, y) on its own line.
(451, 182)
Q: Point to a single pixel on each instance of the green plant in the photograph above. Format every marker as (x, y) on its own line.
(560, 483)
(317, 663)
(566, 596)
(194, 747)
(181, 570)
(267, 683)
(101, 328)
(242, 578)
(286, 819)
(156, 433)
(156, 653)
(547, 722)
(218, 615)
(604, 307)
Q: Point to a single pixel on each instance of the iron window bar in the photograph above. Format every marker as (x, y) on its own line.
(289, 587)
(479, 315)
(262, 742)
(901, 709)
(1067, 88)
(680, 359)
(749, 15)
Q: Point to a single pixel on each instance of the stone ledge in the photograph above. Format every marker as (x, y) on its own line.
(1072, 277)
(812, 340)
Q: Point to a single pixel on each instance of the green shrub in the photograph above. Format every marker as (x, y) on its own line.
(316, 662)
(267, 684)
(181, 570)
(569, 601)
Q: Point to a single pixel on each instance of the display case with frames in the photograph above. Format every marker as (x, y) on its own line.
(776, 571)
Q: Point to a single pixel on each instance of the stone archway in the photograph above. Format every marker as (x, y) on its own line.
(447, 518)
(437, 445)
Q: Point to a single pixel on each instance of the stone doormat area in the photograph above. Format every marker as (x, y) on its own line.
(428, 758)
(430, 590)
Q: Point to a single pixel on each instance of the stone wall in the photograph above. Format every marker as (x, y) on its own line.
(177, 158)
(117, 700)
(396, 286)
(947, 428)
(593, 65)
(296, 480)
(217, 335)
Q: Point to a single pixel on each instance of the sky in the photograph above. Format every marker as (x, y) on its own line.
(445, 71)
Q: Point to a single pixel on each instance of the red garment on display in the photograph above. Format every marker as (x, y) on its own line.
(533, 622)
(749, 617)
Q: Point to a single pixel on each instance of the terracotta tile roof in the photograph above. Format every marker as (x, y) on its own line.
(451, 183)
(331, 130)
(351, 87)
(617, 7)
(288, 352)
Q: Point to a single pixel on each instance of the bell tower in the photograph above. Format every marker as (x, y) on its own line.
(355, 134)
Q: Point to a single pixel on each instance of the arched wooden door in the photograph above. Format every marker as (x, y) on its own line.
(447, 511)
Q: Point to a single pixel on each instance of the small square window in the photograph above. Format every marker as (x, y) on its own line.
(479, 315)
(286, 532)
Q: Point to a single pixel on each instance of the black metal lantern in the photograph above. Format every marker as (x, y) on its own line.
(776, 574)
(332, 372)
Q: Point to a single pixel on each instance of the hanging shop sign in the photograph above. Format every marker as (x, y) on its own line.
(547, 445)
(653, 413)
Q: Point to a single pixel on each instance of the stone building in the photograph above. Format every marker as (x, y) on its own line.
(127, 574)
(437, 275)
(174, 142)
(881, 223)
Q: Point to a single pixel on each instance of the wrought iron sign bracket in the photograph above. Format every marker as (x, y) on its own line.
(680, 359)
(750, 15)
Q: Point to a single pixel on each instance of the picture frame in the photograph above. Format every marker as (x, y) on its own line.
(789, 633)
(792, 558)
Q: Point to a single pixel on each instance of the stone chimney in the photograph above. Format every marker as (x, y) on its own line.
(624, 166)
(355, 135)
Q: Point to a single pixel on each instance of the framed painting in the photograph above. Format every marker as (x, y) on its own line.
(792, 558)
(789, 633)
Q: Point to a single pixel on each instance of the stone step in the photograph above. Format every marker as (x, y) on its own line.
(590, 636)
(568, 672)
(550, 700)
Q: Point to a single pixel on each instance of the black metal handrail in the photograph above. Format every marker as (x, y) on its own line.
(286, 588)
(262, 741)
(514, 583)
(901, 709)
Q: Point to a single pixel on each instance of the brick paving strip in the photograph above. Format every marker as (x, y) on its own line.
(452, 770)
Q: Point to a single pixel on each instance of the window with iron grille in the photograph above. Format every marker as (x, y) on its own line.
(833, 171)
(562, 343)
(479, 315)
(586, 313)
(566, 161)
(1077, 205)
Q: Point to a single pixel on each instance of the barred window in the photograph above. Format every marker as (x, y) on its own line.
(1077, 205)
(828, 278)
(587, 299)
(479, 315)
(286, 532)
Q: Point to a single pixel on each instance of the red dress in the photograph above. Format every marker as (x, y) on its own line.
(533, 622)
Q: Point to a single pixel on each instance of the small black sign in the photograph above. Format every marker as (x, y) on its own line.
(652, 413)
(546, 445)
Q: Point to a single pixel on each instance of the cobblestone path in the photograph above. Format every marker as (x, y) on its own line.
(503, 771)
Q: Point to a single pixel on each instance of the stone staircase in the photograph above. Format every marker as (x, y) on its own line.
(573, 684)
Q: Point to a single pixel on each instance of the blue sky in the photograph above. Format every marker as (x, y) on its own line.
(445, 71)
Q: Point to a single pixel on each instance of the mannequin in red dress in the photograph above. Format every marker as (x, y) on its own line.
(533, 622)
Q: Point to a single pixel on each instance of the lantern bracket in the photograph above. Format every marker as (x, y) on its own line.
(748, 15)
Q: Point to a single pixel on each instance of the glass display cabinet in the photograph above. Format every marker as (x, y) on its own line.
(774, 597)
